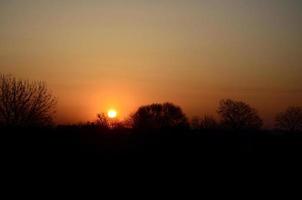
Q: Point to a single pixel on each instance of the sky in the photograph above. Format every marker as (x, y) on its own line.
(95, 55)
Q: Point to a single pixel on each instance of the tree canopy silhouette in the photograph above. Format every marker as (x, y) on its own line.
(160, 116)
(237, 115)
(25, 103)
(290, 119)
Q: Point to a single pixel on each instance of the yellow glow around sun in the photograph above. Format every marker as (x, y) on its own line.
(112, 113)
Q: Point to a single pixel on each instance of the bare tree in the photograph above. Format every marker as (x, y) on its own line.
(25, 103)
(290, 120)
(160, 116)
(238, 115)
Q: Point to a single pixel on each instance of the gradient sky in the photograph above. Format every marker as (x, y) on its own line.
(97, 54)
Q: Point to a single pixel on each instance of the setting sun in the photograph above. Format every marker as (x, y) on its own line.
(112, 114)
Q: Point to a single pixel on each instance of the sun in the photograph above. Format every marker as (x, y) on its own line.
(112, 113)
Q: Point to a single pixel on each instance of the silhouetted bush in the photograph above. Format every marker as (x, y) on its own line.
(206, 123)
(237, 115)
(24, 103)
(160, 116)
(102, 121)
(195, 123)
(290, 120)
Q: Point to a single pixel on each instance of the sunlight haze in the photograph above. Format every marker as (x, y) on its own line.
(96, 55)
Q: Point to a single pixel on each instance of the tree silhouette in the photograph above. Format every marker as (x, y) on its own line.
(290, 119)
(160, 116)
(24, 103)
(237, 115)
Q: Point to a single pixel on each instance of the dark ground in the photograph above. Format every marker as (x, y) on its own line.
(74, 141)
(124, 157)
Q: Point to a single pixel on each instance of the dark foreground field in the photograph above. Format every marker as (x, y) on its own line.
(72, 141)
(128, 155)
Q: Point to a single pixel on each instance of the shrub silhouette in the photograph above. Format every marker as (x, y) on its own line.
(160, 116)
(206, 123)
(24, 103)
(237, 115)
(195, 123)
(290, 120)
(102, 121)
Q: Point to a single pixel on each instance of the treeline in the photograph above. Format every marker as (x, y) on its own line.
(30, 104)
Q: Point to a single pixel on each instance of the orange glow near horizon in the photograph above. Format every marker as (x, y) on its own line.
(96, 55)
